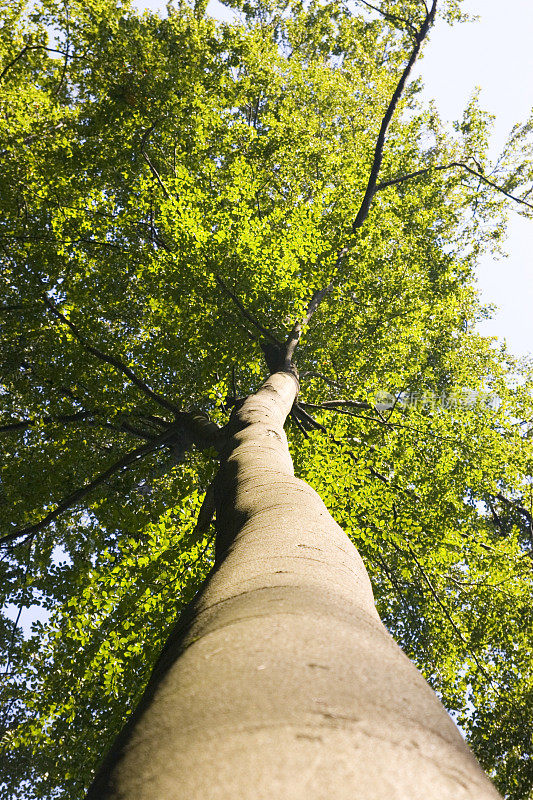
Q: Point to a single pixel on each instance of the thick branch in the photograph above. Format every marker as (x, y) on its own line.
(380, 143)
(74, 497)
(204, 433)
(298, 423)
(207, 511)
(307, 420)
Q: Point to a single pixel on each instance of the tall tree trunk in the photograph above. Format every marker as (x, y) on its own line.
(282, 682)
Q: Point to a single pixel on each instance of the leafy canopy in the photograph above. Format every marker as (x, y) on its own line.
(174, 193)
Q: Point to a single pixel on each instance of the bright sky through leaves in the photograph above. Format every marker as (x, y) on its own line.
(493, 52)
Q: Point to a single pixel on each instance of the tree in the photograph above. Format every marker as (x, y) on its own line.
(187, 207)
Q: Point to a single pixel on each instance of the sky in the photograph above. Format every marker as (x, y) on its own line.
(496, 54)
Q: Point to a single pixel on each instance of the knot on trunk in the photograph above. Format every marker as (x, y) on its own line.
(277, 357)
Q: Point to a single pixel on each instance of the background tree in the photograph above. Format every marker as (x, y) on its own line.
(175, 194)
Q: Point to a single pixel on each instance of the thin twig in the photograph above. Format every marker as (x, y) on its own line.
(244, 311)
(517, 506)
(15, 307)
(156, 174)
(296, 332)
(153, 169)
(67, 48)
(21, 606)
(298, 424)
(25, 50)
(115, 362)
(447, 614)
(394, 583)
(391, 17)
(338, 404)
(23, 424)
(417, 173)
(329, 381)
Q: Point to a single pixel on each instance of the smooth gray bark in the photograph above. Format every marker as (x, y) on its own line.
(282, 682)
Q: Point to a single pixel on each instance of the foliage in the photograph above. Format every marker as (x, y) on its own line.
(175, 190)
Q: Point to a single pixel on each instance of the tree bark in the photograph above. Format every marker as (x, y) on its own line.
(281, 681)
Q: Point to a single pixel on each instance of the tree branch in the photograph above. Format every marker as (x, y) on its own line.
(298, 424)
(304, 417)
(15, 307)
(94, 418)
(244, 311)
(67, 48)
(74, 497)
(392, 17)
(329, 381)
(342, 410)
(417, 173)
(447, 614)
(295, 335)
(207, 511)
(339, 404)
(156, 174)
(115, 362)
(153, 170)
(9, 648)
(394, 583)
(124, 425)
(25, 50)
(23, 424)
(517, 506)
(380, 143)
(296, 332)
